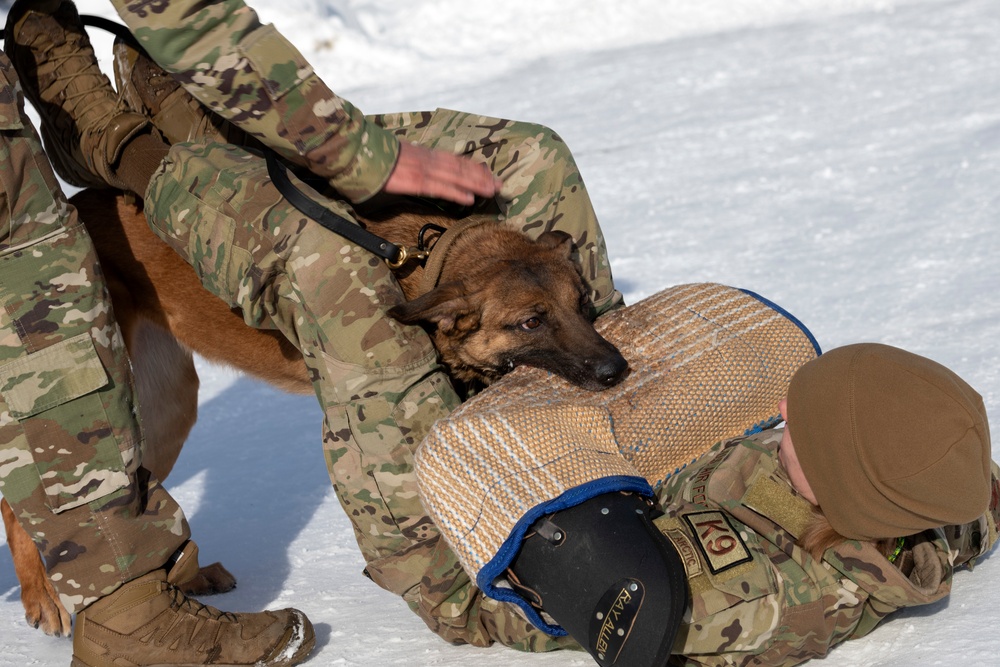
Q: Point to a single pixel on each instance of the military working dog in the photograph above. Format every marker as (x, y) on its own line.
(500, 300)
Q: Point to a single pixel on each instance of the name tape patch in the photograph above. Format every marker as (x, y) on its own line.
(611, 626)
(686, 550)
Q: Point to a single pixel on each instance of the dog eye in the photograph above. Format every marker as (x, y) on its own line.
(531, 323)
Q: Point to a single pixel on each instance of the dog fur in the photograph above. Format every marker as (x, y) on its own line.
(502, 300)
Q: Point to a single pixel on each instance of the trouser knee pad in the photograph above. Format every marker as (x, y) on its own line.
(605, 573)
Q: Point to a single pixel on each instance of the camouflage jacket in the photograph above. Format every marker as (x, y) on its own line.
(756, 597)
(251, 75)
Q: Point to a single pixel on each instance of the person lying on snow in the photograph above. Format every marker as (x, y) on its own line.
(768, 550)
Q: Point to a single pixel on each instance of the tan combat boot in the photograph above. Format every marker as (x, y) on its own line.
(84, 126)
(149, 621)
(151, 90)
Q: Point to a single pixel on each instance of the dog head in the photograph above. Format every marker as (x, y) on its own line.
(510, 302)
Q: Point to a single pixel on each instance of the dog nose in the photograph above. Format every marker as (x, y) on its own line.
(611, 369)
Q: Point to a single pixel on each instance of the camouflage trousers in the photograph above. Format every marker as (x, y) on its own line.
(379, 382)
(70, 441)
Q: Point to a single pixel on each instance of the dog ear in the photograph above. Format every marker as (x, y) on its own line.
(558, 240)
(443, 307)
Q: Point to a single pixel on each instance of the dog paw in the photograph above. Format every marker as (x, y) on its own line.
(210, 580)
(43, 610)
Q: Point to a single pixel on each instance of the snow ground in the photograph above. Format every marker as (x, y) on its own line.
(839, 158)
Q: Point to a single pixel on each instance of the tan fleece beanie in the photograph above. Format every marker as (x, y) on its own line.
(891, 443)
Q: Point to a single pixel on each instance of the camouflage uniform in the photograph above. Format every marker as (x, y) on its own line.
(379, 383)
(756, 597)
(69, 437)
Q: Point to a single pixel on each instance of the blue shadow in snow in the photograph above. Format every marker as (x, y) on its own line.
(260, 453)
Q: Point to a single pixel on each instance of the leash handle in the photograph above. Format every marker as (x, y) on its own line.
(393, 255)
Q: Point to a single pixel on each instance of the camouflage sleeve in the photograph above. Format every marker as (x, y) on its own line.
(251, 75)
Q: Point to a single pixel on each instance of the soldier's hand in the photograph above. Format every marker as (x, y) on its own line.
(424, 172)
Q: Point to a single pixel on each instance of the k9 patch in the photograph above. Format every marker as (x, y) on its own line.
(718, 541)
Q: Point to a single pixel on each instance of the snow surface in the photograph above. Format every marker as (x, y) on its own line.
(838, 157)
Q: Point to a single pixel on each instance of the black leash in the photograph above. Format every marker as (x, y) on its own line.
(393, 255)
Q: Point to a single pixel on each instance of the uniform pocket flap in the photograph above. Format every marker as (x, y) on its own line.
(279, 65)
(52, 376)
(10, 114)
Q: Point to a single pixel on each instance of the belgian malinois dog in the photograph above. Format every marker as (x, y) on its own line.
(501, 300)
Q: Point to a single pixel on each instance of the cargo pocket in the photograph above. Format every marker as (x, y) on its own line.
(70, 424)
(373, 471)
(210, 251)
(10, 123)
(194, 225)
(54, 396)
(10, 112)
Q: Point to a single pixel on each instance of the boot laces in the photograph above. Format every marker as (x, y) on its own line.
(73, 99)
(180, 601)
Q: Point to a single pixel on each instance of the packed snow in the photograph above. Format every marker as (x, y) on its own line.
(841, 158)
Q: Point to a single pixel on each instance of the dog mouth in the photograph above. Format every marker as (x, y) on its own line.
(499, 369)
(590, 375)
